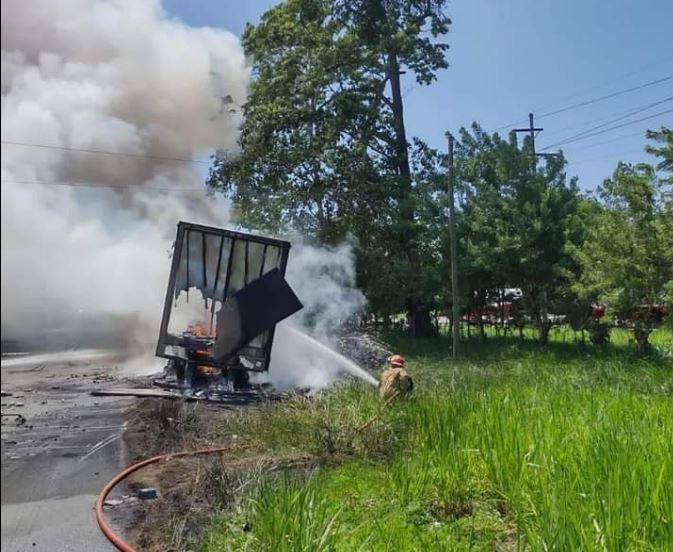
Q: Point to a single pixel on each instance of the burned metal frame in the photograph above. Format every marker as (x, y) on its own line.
(184, 232)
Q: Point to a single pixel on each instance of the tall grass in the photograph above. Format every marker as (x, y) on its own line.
(578, 469)
(513, 448)
(295, 516)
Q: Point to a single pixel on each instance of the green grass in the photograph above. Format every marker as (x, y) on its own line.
(515, 447)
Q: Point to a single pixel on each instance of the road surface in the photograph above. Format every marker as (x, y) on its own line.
(61, 451)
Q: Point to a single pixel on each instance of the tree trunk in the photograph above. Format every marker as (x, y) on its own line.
(420, 321)
(503, 326)
(418, 313)
(480, 321)
(642, 336)
(543, 328)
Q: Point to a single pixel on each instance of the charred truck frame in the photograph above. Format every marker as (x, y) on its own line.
(242, 275)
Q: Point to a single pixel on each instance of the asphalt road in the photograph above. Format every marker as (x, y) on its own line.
(56, 461)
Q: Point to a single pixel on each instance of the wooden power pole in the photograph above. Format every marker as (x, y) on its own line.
(531, 130)
(455, 307)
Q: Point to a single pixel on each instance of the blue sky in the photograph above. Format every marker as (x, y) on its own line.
(509, 57)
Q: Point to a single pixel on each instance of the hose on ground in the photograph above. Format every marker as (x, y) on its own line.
(117, 541)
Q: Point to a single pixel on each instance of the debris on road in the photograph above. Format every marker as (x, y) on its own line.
(20, 418)
(148, 493)
(140, 392)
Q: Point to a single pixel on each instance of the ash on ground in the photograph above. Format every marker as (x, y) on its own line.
(363, 348)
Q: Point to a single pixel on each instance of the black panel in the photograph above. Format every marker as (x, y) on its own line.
(257, 307)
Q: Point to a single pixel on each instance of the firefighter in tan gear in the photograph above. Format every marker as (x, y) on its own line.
(394, 379)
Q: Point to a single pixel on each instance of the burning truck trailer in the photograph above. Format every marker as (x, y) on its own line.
(227, 332)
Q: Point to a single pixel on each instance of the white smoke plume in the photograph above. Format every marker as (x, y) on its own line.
(118, 76)
(86, 237)
(325, 280)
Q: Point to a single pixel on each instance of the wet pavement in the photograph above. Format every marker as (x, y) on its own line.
(60, 445)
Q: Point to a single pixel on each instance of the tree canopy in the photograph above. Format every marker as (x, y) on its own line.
(323, 143)
(324, 152)
(626, 257)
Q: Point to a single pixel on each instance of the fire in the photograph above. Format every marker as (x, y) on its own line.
(204, 370)
(199, 330)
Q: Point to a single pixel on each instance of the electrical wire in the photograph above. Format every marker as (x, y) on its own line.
(107, 152)
(616, 139)
(137, 187)
(621, 117)
(584, 160)
(561, 130)
(603, 131)
(590, 101)
(603, 98)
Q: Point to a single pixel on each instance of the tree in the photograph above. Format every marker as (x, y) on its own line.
(514, 223)
(482, 249)
(578, 307)
(543, 204)
(627, 255)
(323, 144)
(663, 136)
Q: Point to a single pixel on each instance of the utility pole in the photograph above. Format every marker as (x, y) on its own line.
(455, 311)
(531, 130)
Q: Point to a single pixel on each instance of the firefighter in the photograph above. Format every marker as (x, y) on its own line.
(394, 379)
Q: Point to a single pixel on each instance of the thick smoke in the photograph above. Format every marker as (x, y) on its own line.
(86, 237)
(325, 278)
(115, 76)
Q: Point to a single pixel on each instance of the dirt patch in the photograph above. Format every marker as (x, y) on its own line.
(190, 490)
(182, 506)
(158, 426)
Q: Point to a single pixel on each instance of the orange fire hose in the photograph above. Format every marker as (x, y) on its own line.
(117, 541)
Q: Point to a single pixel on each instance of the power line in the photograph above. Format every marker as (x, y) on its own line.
(592, 100)
(616, 139)
(136, 187)
(641, 69)
(561, 130)
(607, 129)
(606, 97)
(584, 160)
(106, 152)
(617, 119)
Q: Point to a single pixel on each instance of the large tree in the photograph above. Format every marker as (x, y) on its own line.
(323, 144)
(627, 254)
(514, 223)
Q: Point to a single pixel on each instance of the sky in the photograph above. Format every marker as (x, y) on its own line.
(511, 57)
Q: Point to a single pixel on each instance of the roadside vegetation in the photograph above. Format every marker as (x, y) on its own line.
(324, 152)
(513, 447)
(532, 439)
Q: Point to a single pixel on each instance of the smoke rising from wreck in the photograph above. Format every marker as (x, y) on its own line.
(324, 279)
(86, 237)
(112, 76)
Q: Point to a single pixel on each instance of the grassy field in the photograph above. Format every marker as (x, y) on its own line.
(514, 447)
